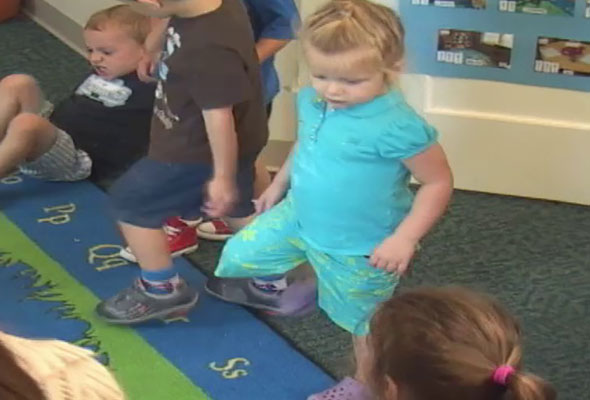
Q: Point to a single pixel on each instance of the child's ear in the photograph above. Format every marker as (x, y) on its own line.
(393, 73)
(400, 66)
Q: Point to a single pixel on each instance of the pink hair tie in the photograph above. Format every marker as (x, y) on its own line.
(502, 373)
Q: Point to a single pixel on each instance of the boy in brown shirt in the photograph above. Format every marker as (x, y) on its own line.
(208, 127)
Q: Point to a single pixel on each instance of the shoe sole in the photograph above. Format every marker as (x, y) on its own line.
(181, 310)
(301, 312)
(215, 237)
(304, 310)
(127, 255)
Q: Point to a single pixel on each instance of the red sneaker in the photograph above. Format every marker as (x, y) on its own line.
(182, 239)
(215, 229)
(193, 223)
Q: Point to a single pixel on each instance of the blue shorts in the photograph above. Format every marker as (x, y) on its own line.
(152, 191)
(349, 288)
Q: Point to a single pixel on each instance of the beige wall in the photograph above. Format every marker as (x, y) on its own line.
(510, 139)
(65, 18)
(80, 10)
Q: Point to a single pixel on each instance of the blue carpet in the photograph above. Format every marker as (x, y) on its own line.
(220, 348)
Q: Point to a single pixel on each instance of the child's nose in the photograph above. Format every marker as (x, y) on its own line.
(334, 88)
(95, 58)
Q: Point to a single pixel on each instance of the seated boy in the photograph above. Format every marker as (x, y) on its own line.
(209, 127)
(102, 128)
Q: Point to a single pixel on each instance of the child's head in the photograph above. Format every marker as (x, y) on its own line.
(15, 382)
(52, 370)
(449, 344)
(114, 39)
(354, 49)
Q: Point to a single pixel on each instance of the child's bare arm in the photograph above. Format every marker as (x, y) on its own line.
(267, 47)
(221, 132)
(278, 24)
(155, 40)
(153, 46)
(432, 170)
(276, 191)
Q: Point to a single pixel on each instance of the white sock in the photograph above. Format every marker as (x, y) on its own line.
(271, 285)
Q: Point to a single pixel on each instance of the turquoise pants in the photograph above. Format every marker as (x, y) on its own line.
(349, 288)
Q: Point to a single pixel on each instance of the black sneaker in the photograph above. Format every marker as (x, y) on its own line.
(134, 304)
(298, 298)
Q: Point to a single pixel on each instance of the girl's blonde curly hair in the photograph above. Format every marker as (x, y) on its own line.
(345, 25)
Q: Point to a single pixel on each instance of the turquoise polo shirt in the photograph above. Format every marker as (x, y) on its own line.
(349, 185)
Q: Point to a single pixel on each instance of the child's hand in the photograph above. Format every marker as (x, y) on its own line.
(222, 196)
(147, 67)
(271, 196)
(394, 254)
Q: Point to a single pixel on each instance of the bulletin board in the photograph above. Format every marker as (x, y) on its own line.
(531, 42)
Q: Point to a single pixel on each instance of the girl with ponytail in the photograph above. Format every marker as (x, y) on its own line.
(449, 344)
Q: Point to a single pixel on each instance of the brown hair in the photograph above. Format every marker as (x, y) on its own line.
(15, 383)
(52, 370)
(137, 25)
(445, 344)
(344, 25)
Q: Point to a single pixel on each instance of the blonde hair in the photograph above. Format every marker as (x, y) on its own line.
(52, 370)
(345, 25)
(446, 344)
(138, 26)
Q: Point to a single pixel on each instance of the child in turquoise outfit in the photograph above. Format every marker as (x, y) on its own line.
(348, 209)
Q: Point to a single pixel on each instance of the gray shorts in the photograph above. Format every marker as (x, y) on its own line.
(63, 162)
(46, 109)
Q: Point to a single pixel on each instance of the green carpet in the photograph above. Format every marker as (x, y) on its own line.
(28, 49)
(533, 255)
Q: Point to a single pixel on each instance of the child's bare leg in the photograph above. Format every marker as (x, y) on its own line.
(18, 93)
(27, 138)
(149, 246)
(236, 224)
(362, 355)
(261, 182)
(356, 388)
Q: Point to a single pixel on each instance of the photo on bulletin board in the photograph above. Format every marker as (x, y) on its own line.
(541, 7)
(562, 56)
(473, 48)
(477, 4)
(587, 8)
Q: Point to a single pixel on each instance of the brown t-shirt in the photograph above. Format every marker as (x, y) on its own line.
(208, 62)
